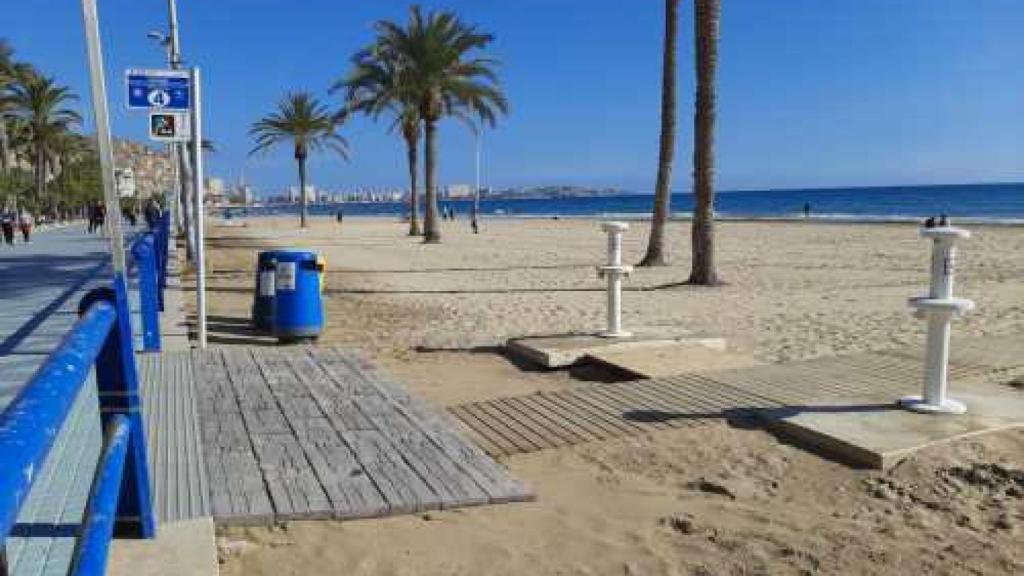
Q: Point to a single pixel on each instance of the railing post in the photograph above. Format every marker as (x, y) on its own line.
(144, 252)
(162, 233)
(118, 384)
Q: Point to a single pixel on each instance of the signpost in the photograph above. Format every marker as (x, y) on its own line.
(197, 172)
(169, 127)
(158, 90)
(175, 115)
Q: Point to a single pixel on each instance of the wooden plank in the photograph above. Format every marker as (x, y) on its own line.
(434, 466)
(638, 407)
(587, 431)
(617, 407)
(346, 483)
(439, 471)
(488, 475)
(237, 490)
(497, 422)
(470, 414)
(294, 489)
(521, 425)
(563, 426)
(403, 490)
(496, 444)
(693, 405)
(597, 413)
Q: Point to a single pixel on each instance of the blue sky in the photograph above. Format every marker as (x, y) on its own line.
(812, 92)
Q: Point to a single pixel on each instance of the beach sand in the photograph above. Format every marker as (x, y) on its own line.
(713, 499)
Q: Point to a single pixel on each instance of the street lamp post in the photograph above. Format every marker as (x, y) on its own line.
(476, 189)
(173, 197)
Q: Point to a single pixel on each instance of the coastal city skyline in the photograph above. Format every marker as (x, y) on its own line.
(862, 100)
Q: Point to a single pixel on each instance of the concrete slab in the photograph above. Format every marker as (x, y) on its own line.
(187, 547)
(563, 350)
(672, 358)
(878, 436)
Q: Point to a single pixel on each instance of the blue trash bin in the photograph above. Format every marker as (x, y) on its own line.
(263, 296)
(298, 305)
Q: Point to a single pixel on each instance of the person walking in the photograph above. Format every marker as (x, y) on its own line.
(7, 225)
(93, 210)
(152, 214)
(25, 224)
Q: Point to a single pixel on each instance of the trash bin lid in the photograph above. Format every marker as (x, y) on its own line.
(295, 254)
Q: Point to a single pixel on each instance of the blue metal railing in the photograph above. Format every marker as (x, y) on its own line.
(119, 501)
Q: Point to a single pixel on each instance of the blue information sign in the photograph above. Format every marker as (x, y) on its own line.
(158, 90)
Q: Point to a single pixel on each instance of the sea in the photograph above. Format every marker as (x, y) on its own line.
(967, 203)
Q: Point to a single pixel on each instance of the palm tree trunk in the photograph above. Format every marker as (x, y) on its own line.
(667, 145)
(301, 158)
(40, 175)
(431, 230)
(5, 147)
(412, 152)
(706, 24)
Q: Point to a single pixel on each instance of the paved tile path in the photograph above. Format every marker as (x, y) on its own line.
(320, 433)
(544, 420)
(40, 286)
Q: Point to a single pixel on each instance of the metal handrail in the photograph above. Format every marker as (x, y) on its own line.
(90, 555)
(119, 500)
(30, 423)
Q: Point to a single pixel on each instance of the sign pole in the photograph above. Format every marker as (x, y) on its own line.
(197, 164)
(103, 138)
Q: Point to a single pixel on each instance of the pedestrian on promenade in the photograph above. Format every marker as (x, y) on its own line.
(96, 218)
(93, 210)
(7, 224)
(152, 214)
(25, 224)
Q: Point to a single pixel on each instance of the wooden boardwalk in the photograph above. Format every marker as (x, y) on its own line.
(543, 420)
(320, 433)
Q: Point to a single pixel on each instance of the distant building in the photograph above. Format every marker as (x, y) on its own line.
(214, 192)
(454, 191)
(145, 172)
(124, 182)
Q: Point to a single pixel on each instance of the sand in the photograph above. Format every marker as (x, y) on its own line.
(716, 499)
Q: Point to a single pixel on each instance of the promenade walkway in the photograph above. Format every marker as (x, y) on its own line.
(40, 286)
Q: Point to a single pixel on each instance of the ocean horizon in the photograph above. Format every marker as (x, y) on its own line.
(982, 203)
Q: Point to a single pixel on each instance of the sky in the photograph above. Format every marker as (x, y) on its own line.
(812, 93)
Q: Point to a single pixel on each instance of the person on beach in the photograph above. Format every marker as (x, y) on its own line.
(339, 216)
(807, 209)
(25, 224)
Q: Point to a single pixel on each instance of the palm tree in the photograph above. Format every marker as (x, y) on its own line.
(375, 86)
(7, 75)
(435, 56)
(707, 15)
(39, 103)
(302, 120)
(667, 145)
